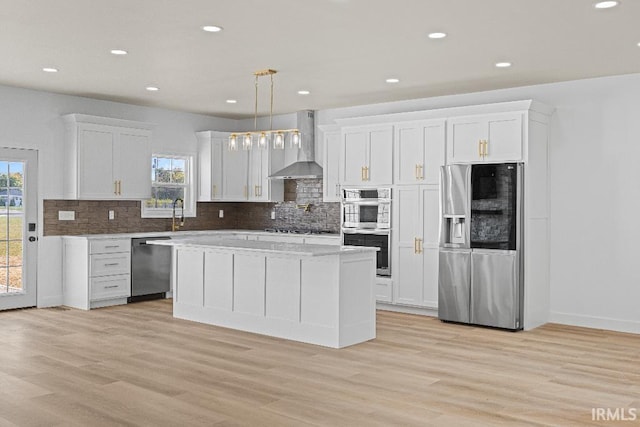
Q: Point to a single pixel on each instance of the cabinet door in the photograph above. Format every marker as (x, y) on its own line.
(258, 181)
(464, 138)
(353, 157)
(209, 167)
(504, 137)
(408, 153)
(430, 200)
(331, 168)
(419, 152)
(133, 164)
(234, 175)
(96, 180)
(379, 165)
(407, 265)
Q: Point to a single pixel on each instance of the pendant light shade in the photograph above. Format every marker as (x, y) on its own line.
(278, 141)
(233, 142)
(295, 139)
(263, 140)
(247, 141)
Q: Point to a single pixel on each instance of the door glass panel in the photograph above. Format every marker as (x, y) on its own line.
(493, 206)
(11, 226)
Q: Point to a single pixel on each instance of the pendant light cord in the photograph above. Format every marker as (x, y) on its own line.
(255, 111)
(271, 111)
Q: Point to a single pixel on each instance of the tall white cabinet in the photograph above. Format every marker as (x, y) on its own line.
(106, 159)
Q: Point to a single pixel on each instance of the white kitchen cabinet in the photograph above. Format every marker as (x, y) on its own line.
(415, 249)
(486, 138)
(210, 146)
(263, 163)
(418, 151)
(331, 191)
(106, 159)
(96, 272)
(239, 175)
(365, 156)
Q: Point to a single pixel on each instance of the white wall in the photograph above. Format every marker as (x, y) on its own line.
(31, 119)
(594, 194)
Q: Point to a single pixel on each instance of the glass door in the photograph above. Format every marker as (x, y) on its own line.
(18, 234)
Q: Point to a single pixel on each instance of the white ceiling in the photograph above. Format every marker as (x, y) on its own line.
(340, 50)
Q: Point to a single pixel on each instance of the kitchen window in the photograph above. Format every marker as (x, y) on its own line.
(171, 178)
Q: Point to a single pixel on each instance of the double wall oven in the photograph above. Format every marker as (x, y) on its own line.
(366, 221)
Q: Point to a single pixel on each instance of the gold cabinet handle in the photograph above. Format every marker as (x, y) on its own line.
(415, 245)
(419, 246)
(214, 190)
(480, 148)
(366, 173)
(362, 173)
(338, 190)
(119, 188)
(115, 187)
(486, 148)
(246, 196)
(420, 174)
(416, 172)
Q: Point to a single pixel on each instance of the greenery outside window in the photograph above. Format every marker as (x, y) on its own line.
(171, 179)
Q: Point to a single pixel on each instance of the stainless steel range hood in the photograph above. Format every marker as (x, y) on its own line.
(304, 166)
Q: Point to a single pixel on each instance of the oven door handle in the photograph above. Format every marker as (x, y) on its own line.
(379, 231)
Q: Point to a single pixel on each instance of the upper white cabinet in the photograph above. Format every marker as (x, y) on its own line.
(331, 190)
(418, 151)
(485, 138)
(365, 157)
(106, 158)
(210, 146)
(238, 175)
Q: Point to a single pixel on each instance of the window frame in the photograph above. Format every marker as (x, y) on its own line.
(189, 186)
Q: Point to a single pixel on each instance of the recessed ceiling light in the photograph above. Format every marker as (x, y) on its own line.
(50, 70)
(119, 52)
(231, 101)
(152, 88)
(393, 80)
(503, 64)
(605, 4)
(437, 35)
(303, 92)
(212, 28)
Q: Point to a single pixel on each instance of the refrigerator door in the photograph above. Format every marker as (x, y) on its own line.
(455, 181)
(454, 285)
(495, 289)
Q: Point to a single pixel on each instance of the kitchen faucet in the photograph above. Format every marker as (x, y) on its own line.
(174, 226)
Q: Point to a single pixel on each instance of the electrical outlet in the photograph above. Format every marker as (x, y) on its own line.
(112, 214)
(220, 213)
(66, 215)
(273, 214)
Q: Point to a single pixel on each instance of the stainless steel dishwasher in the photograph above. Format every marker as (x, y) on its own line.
(150, 269)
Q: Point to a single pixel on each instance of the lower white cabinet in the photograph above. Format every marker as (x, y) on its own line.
(96, 272)
(415, 248)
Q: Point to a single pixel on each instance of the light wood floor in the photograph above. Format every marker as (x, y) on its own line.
(137, 365)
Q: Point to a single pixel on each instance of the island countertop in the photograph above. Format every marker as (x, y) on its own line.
(296, 249)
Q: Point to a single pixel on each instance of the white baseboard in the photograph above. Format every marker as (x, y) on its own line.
(50, 301)
(594, 322)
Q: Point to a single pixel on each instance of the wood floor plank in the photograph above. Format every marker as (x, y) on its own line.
(137, 365)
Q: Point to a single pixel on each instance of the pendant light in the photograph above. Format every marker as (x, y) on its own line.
(263, 137)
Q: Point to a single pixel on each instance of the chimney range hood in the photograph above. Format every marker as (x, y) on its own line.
(304, 166)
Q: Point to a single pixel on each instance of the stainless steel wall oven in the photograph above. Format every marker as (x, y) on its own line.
(366, 221)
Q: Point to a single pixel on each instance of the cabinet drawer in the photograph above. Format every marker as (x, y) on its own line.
(110, 264)
(384, 290)
(109, 246)
(109, 287)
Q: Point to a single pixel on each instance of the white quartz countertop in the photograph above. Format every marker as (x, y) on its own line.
(297, 249)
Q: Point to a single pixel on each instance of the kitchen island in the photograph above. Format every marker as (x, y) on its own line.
(318, 294)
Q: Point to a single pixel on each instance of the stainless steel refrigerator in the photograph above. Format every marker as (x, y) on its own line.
(480, 260)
